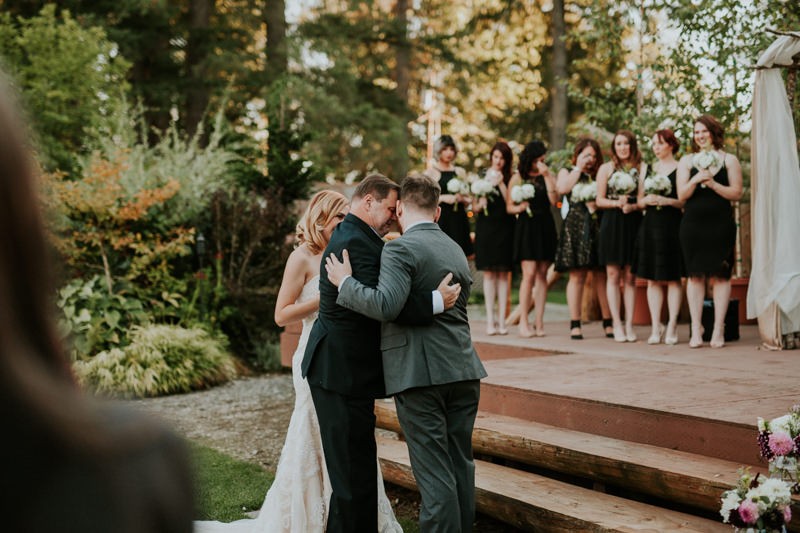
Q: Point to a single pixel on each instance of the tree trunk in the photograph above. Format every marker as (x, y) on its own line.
(197, 94)
(402, 76)
(277, 57)
(558, 98)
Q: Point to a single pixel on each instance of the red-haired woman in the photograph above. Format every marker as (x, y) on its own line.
(708, 181)
(658, 249)
(618, 183)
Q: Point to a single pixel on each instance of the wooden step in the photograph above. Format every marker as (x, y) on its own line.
(703, 436)
(688, 479)
(536, 503)
(488, 351)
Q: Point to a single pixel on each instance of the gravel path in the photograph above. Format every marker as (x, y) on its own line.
(246, 418)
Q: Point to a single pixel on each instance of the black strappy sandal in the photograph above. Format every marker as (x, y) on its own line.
(608, 323)
(572, 325)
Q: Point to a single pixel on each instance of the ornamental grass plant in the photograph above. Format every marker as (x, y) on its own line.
(161, 359)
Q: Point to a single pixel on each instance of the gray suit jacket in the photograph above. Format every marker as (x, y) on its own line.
(418, 356)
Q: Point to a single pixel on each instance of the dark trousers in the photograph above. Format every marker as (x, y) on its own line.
(347, 429)
(437, 422)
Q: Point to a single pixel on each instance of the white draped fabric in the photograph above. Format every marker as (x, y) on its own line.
(774, 291)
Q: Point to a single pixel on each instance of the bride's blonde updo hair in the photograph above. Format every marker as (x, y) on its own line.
(323, 207)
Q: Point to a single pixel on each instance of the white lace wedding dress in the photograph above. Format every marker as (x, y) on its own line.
(298, 498)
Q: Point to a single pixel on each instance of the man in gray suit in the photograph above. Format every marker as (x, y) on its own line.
(432, 371)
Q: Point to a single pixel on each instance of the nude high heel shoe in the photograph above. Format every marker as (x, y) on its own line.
(655, 338)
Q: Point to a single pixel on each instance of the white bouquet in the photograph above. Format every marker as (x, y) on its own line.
(521, 193)
(704, 160)
(494, 176)
(622, 183)
(657, 184)
(457, 186)
(584, 192)
(482, 189)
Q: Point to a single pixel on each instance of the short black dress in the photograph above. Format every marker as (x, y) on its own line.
(708, 231)
(618, 233)
(535, 236)
(658, 254)
(577, 246)
(454, 221)
(494, 236)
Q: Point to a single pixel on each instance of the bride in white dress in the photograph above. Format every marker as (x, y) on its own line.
(297, 501)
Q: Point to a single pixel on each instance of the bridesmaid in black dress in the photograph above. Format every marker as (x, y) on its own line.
(708, 229)
(534, 235)
(658, 249)
(577, 248)
(453, 218)
(618, 230)
(494, 239)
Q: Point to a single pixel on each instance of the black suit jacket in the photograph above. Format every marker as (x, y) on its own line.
(343, 353)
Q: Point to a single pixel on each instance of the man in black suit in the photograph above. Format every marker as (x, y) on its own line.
(343, 363)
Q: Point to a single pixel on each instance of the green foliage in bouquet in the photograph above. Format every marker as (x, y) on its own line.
(160, 359)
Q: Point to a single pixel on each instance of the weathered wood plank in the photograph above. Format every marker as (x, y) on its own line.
(681, 477)
(532, 502)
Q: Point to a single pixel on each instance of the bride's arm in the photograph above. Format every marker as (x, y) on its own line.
(294, 277)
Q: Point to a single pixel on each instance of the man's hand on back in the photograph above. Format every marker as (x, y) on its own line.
(449, 292)
(338, 270)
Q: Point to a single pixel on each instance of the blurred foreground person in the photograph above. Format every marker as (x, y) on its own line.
(72, 464)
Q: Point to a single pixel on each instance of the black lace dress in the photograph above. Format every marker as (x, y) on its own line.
(618, 232)
(535, 236)
(494, 236)
(658, 253)
(708, 231)
(577, 247)
(454, 221)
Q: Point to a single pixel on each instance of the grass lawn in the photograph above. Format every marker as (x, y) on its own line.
(228, 488)
(557, 293)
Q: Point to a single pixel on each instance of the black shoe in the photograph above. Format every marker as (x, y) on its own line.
(608, 323)
(572, 325)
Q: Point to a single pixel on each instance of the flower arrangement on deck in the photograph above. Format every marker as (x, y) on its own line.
(757, 504)
(779, 442)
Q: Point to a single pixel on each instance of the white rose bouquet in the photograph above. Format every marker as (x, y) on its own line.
(521, 193)
(704, 160)
(622, 183)
(457, 186)
(584, 192)
(482, 189)
(657, 184)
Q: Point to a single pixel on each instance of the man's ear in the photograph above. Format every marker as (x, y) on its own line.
(438, 212)
(399, 208)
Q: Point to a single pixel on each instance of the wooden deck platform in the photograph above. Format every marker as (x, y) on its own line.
(658, 431)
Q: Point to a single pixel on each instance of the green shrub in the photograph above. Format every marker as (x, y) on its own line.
(95, 320)
(160, 360)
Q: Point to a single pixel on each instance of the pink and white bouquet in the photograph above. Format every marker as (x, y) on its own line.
(521, 193)
(584, 192)
(757, 504)
(482, 188)
(622, 183)
(779, 442)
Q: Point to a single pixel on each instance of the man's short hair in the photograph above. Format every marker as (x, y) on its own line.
(378, 185)
(421, 192)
